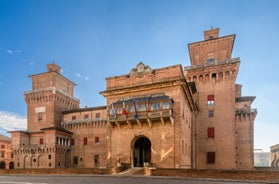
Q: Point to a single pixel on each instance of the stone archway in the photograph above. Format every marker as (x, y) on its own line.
(11, 165)
(141, 151)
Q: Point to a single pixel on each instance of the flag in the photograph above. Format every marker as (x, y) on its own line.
(113, 111)
(124, 112)
(136, 113)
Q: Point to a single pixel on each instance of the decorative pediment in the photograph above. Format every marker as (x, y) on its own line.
(140, 70)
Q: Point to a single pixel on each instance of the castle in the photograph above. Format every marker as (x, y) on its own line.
(171, 117)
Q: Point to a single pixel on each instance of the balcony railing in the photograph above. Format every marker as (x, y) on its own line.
(163, 116)
(83, 121)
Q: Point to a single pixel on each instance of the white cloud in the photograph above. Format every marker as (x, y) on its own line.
(77, 74)
(10, 121)
(9, 51)
(31, 63)
(86, 78)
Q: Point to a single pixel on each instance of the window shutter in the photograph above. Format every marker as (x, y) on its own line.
(210, 98)
(97, 139)
(72, 141)
(85, 141)
(210, 132)
(41, 141)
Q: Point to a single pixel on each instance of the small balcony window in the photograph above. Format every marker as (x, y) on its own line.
(166, 105)
(155, 106)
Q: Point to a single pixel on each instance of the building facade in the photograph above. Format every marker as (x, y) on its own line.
(170, 117)
(7, 156)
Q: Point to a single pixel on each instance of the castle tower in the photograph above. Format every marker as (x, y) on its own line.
(214, 72)
(50, 95)
(45, 144)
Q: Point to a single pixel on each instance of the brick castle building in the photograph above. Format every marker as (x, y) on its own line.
(171, 117)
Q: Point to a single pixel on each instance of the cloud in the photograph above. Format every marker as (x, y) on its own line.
(31, 63)
(77, 74)
(16, 51)
(10, 121)
(86, 78)
(9, 51)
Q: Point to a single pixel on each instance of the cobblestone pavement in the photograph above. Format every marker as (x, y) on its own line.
(109, 180)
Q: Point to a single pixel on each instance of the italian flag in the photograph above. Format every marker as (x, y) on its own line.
(124, 112)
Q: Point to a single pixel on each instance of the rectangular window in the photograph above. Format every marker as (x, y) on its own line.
(49, 156)
(72, 141)
(12, 155)
(141, 107)
(210, 60)
(3, 154)
(41, 141)
(98, 116)
(155, 106)
(74, 117)
(75, 160)
(210, 113)
(130, 108)
(210, 100)
(40, 116)
(210, 157)
(210, 132)
(86, 116)
(97, 140)
(2, 146)
(85, 141)
(166, 105)
(96, 160)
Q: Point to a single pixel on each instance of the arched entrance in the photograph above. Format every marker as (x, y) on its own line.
(141, 152)
(11, 165)
(2, 165)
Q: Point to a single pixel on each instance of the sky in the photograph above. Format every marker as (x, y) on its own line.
(95, 39)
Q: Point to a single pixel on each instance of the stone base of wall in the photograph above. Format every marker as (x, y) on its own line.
(217, 174)
(56, 171)
(257, 175)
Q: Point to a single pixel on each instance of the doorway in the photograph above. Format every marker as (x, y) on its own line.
(142, 152)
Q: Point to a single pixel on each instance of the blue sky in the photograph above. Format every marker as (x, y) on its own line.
(95, 39)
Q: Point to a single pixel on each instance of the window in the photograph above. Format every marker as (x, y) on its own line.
(72, 141)
(210, 132)
(86, 116)
(166, 105)
(3, 154)
(12, 155)
(211, 37)
(98, 116)
(40, 116)
(49, 156)
(96, 160)
(210, 100)
(97, 140)
(74, 117)
(131, 108)
(2, 146)
(119, 110)
(141, 107)
(210, 113)
(155, 106)
(210, 157)
(210, 60)
(41, 141)
(75, 159)
(85, 141)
